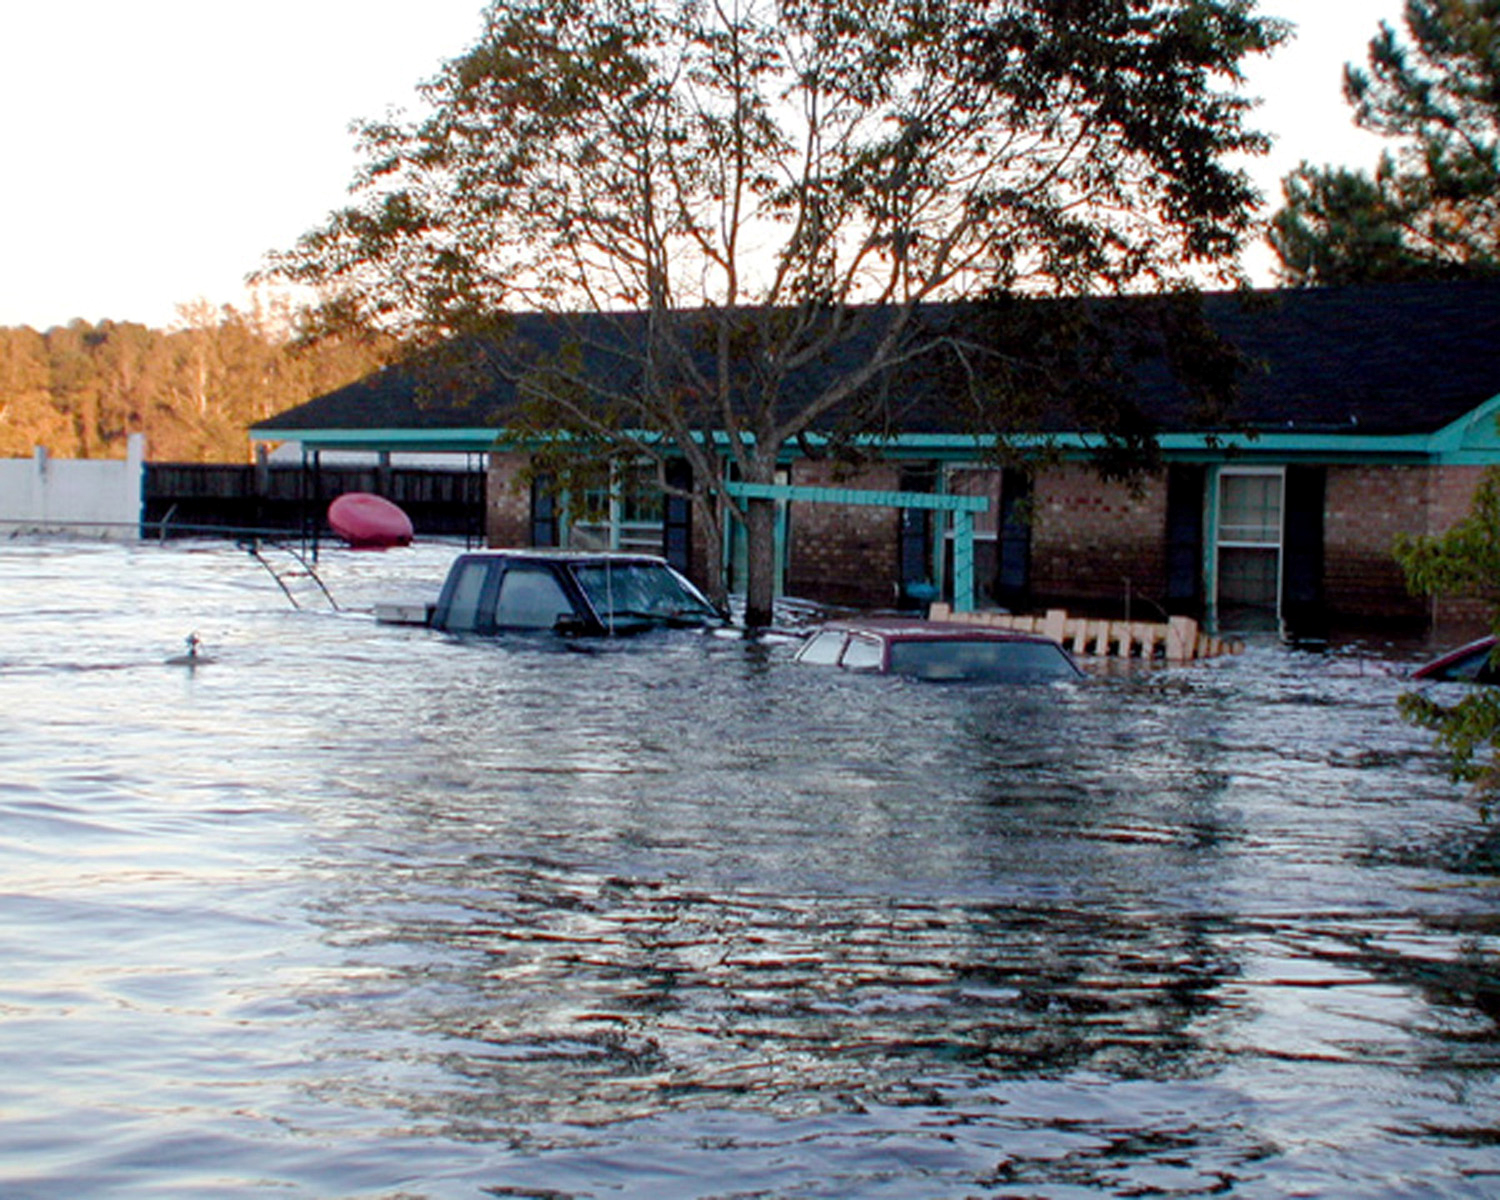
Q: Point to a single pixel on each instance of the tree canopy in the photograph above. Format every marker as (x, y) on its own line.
(1431, 208)
(768, 182)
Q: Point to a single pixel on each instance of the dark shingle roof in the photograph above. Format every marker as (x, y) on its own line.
(1380, 359)
(1399, 358)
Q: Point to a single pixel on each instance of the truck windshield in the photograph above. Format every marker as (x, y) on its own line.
(642, 591)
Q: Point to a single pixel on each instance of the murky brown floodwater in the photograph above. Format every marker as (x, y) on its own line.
(357, 910)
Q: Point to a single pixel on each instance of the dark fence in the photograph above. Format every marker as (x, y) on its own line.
(196, 499)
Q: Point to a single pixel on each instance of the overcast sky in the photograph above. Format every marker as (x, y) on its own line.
(154, 150)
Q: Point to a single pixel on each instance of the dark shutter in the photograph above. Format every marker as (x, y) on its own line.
(1185, 484)
(1302, 608)
(677, 517)
(916, 537)
(1013, 562)
(544, 531)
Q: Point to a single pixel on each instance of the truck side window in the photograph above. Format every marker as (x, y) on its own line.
(530, 598)
(463, 608)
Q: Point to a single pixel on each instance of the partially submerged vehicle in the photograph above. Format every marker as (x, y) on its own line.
(1473, 663)
(578, 594)
(938, 650)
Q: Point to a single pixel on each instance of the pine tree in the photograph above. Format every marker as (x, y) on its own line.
(1431, 209)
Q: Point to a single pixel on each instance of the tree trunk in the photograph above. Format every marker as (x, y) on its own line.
(706, 508)
(760, 562)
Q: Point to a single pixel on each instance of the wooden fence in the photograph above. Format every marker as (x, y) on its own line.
(194, 499)
(1177, 640)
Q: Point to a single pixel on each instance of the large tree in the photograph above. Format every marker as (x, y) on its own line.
(1431, 209)
(768, 193)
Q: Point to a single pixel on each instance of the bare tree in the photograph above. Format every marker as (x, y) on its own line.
(740, 210)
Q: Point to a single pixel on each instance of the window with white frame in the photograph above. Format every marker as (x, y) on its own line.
(627, 515)
(1249, 538)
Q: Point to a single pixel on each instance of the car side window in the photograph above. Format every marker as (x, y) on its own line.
(863, 654)
(824, 649)
(530, 598)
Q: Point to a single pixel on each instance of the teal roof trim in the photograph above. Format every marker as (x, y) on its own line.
(470, 441)
(1472, 440)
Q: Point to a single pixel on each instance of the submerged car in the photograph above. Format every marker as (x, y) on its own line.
(938, 650)
(1473, 663)
(571, 593)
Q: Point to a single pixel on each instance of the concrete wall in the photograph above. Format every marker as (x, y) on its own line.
(94, 498)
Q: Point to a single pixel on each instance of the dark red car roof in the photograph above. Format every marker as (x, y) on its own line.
(916, 629)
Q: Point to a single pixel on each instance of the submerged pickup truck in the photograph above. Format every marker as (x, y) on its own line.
(582, 594)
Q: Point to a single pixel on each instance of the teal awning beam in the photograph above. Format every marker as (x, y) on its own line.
(963, 509)
(858, 496)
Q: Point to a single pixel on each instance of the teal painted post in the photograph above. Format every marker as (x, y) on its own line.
(963, 561)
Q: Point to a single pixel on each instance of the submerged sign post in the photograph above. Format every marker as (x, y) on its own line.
(963, 509)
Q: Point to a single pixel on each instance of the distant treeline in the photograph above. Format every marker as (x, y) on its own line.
(80, 390)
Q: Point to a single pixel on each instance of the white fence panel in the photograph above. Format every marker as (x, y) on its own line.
(94, 498)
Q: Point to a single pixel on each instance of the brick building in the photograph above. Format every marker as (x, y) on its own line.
(1363, 413)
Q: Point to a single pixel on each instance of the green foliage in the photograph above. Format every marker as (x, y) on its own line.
(81, 390)
(1468, 732)
(1431, 209)
(1464, 561)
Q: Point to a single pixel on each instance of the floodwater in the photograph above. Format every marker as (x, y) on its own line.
(364, 911)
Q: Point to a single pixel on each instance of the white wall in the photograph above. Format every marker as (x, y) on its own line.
(96, 498)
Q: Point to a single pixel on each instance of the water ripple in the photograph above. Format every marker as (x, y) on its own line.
(360, 910)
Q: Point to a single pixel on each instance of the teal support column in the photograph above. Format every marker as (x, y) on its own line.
(963, 509)
(963, 561)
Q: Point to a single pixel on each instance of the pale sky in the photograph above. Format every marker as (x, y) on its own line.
(155, 150)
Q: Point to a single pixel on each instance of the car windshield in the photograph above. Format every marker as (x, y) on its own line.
(1012, 662)
(641, 591)
(1474, 667)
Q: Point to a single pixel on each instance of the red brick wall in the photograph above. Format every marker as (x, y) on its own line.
(1450, 493)
(1365, 507)
(844, 554)
(507, 502)
(1088, 537)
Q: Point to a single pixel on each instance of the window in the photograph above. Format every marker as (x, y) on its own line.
(640, 590)
(463, 607)
(1248, 546)
(984, 482)
(1012, 662)
(627, 515)
(530, 598)
(823, 650)
(864, 654)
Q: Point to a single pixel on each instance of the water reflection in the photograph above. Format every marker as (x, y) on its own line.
(365, 910)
